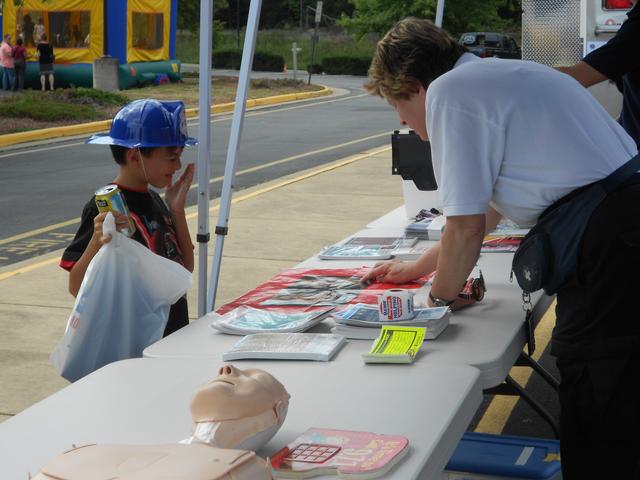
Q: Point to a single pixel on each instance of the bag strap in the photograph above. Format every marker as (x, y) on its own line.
(615, 179)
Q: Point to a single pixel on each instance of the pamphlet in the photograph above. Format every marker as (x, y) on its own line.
(355, 252)
(395, 345)
(365, 315)
(347, 454)
(505, 238)
(506, 244)
(286, 346)
(244, 320)
(383, 242)
(414, 252)
(361, 321)
(429, 228)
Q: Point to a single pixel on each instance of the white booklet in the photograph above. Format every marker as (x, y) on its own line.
(244, 320)
(434, 330)
(414, 252)
(286, 346)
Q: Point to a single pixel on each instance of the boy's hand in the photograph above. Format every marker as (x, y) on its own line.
(122, 221)
(176, 194)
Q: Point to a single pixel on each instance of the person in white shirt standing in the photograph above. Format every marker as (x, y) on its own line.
(512, 138)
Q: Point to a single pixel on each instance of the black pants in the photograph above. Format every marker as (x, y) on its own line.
(18, 83)
(597, 344)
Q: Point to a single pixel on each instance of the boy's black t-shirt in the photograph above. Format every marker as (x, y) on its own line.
(46, 53)
(619, 60)
(154, 230)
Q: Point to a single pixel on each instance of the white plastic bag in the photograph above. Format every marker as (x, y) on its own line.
(122, 306)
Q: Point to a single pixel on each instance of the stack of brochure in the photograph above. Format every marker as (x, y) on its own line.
(245, 320)
(429, 228)
(366, 248)
(361, 321)
(414, 252)
(286, 346)
(505, 238)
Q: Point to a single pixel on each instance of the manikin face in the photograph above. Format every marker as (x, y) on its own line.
(236, 394)
(412, 111)
(161, 165)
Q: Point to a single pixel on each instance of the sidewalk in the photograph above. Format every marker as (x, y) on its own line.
(272, 227)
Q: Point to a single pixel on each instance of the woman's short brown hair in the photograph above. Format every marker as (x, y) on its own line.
(414, 50)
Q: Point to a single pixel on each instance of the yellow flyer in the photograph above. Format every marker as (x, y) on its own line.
(396, 344)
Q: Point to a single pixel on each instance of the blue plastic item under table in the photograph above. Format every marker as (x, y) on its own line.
(504, 456)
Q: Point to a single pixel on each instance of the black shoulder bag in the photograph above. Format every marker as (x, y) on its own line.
(548, 255)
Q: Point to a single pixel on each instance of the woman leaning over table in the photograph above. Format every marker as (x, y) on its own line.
(511, 138)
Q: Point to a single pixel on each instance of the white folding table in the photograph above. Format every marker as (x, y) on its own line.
(489, 336)
(146, 401)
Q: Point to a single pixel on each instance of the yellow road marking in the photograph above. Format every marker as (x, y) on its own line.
(313, 173)
(305, 105)
(38, 231)
(252, 112)
(195, 185)
(36, 150)
(501, 406)
(28, 268)
(237, 199)
(296, 157)
(102, 125)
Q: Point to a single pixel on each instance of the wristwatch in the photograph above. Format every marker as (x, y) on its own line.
(440, 302)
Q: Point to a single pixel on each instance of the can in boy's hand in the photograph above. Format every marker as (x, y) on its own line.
(110, 199)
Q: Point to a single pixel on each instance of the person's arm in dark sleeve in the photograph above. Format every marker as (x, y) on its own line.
(617, 57)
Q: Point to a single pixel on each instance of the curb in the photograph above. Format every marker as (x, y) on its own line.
(103, 125)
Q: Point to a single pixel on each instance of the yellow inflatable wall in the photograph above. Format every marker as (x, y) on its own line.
(75, 27)
(148, 24)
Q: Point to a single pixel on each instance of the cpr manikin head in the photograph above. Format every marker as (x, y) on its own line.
(239, 409)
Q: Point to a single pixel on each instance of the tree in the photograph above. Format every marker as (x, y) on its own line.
(378, 16)
(189, 13)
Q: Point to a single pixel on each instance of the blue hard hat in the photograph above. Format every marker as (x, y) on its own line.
(148, 123)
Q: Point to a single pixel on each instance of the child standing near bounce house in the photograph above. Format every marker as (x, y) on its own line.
(146, 140)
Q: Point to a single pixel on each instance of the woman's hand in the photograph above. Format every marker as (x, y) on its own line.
(391, 271)
(176, 194)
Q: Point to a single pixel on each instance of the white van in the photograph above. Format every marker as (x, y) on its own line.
(601, 19)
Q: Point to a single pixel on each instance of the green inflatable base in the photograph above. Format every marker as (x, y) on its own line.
(131, 75)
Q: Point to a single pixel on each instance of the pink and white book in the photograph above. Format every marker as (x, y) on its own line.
(344, 453)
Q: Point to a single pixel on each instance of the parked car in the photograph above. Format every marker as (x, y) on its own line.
(491, 44)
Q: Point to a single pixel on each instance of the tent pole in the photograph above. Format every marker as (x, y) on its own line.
(439, 13)
(204, 148)
(234, 144)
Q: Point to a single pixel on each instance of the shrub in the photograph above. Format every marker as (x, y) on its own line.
(314, 68)
(344, 65)
(262, 61)
(268, 62)
(45, 107)
(102, 97)
(227, 59)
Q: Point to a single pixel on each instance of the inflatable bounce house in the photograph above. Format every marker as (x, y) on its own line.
(140, 34)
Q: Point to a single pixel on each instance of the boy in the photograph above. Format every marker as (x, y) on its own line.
(146, 139)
